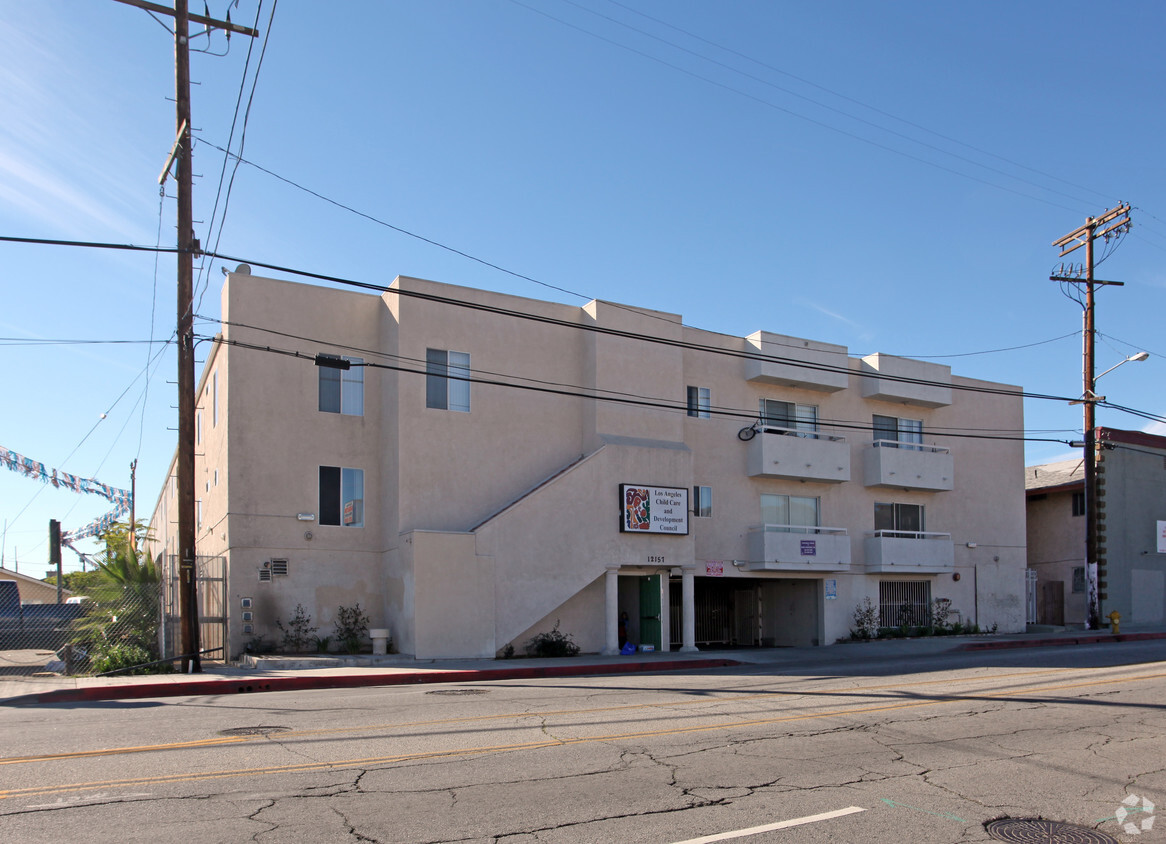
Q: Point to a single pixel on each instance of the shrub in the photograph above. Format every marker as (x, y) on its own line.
(866, 620)
(351, 628)
(554, 643)
(121, 656)
(298, 633)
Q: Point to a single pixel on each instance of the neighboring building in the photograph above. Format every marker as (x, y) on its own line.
(33, 591)
(1131, 472)
(487, 481)
(1056, 541)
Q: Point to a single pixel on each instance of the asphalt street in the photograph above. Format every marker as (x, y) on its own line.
(883, 749)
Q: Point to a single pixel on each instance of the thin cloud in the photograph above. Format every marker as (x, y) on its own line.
(863, 333)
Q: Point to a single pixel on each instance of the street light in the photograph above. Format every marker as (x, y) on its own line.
(1139, 356)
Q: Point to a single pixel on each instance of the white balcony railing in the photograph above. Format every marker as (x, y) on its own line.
(908, 465)
(914, 552)
(798, 548)
(798, 454)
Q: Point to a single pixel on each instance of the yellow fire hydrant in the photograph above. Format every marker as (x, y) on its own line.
(1114, 619)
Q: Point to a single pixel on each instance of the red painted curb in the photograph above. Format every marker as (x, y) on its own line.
(1087, 639)
(350, 681)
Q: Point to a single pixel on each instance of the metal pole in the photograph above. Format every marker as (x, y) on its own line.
(55, 555)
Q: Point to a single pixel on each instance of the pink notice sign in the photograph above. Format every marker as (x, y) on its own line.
(714, 568)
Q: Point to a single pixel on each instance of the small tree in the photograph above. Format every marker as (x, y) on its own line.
(298, 633)
(351, 627)
(125, 599)
(866, 620)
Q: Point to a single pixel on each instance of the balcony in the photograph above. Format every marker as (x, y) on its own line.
(798, 455)
(794, 362)
(898, 379)
(909, 552)
(797, 548)
(908, 466)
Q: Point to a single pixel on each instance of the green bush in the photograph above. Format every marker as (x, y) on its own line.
(866, 620)
(351, 628)
(553, 643)
(121, 656)
(298, 633)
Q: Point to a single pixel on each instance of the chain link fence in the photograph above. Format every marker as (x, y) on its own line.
(112, 627)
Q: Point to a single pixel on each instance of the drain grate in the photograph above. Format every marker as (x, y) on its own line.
(254, 731)
(457, 692)
(1040, 831)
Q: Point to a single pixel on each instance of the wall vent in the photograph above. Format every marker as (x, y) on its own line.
(264, 575)
(279, 567)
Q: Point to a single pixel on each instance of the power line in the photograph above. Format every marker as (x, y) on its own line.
(821, 104)
(380, 288)
(682, 344)
(577, 389)
(857, 102)
(656, 404)
(242, 136)
(793, 113)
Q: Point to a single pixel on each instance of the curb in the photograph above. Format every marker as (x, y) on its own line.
(1088, 639)
(351, 681)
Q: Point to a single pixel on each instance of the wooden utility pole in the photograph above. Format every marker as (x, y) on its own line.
(188, 246)
(1110, 222)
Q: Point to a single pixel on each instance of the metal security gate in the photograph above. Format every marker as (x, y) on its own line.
(211, 585)
(904, 603)
(726, 612)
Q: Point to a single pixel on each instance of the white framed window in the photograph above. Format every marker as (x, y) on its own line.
(198, 428)
(786, 414)
(215, 399)
(790, 510)
(905, 520)
(903, 433)
(699, 402)
(702, 501)
(198, 513)
(342, 390)
(447, 380)
(341, 496)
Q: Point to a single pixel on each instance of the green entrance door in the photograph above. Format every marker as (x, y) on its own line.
(650, 611)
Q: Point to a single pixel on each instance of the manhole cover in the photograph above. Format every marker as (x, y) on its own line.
(253, 731)
(1039, 831)
(457, 692)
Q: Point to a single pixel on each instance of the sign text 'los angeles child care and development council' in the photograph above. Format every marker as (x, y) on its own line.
(653, 509)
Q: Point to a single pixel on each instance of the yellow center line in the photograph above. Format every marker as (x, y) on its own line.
(734, 698)
(503, 748)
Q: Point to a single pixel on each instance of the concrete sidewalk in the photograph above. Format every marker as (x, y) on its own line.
(270, 674)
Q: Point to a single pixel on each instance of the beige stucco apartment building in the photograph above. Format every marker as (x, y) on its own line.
(490, 466)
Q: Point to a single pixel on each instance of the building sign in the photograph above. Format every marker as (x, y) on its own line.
(1162, 537)
(809, 547)
(831, 587)
(650, 509)
(714, 568)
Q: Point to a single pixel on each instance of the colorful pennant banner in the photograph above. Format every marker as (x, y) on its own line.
(121, 498)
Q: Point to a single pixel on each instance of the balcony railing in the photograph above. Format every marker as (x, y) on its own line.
(909, 551)
(798, 548)
(908, 465)
(798, 454)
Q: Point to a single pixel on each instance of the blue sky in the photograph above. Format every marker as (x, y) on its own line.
(886, 176)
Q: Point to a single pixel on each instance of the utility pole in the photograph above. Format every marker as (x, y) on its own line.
(133, 501)
(188, 246)
(1113, 221)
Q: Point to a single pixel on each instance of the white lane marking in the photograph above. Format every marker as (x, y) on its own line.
(754, 830)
